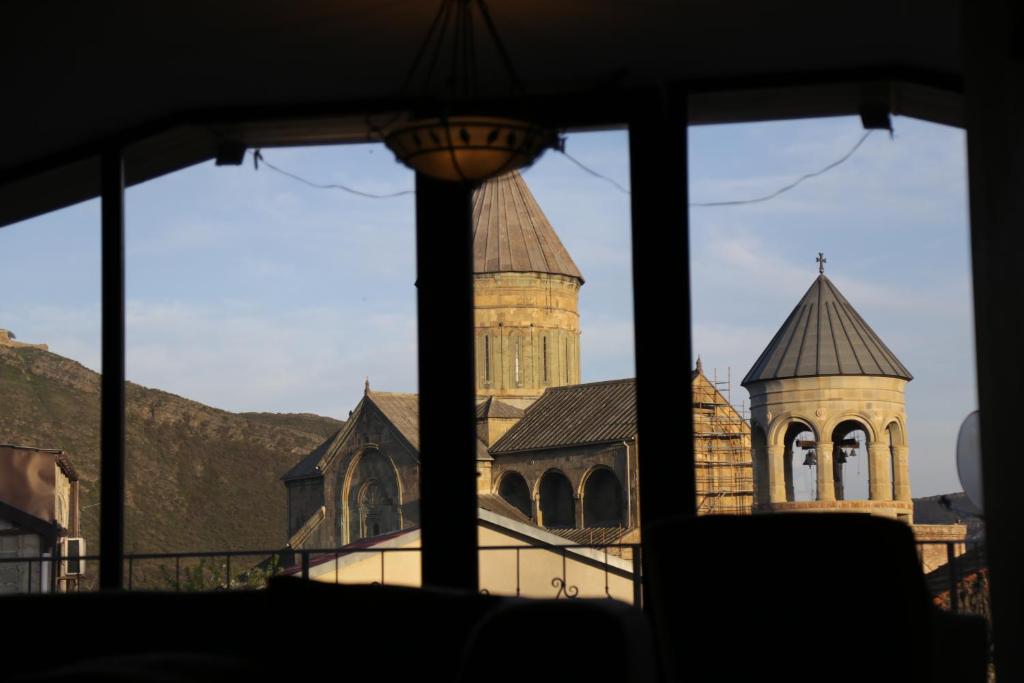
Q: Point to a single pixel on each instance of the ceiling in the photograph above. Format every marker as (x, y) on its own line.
(168, 81)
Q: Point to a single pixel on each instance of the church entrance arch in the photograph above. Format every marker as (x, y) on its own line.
(602, 499)
(372, 497)
(513, 489)
(557, 503)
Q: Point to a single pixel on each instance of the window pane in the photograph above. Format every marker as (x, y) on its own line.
(49, 420)
(272, 348)
(559, 504)
(834, 315)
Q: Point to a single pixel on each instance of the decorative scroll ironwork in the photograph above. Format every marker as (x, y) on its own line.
(564, 589)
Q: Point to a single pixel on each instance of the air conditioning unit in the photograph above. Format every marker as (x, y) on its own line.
(72, 551)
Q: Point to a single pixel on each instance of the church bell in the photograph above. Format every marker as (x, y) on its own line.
(811, 458)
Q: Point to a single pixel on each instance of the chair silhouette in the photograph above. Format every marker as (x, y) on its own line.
(791, 597)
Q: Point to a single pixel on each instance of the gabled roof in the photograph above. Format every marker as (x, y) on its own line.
(498, 505)
(512, 234)
(481, 451)
(491, 407)
(825, 336)
(309, 465)
(600, 412)
(401, 410)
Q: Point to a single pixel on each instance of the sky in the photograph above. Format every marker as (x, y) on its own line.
(250, 291)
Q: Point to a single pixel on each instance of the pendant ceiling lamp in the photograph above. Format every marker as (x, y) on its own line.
(452, 139)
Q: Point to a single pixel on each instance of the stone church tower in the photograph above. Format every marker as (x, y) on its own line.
(825, 392)
(526, 294)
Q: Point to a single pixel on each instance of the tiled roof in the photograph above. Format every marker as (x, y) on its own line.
(592, 535)
(512, 234)
(492, 407)
(307, 467)
(823, 336)
(402, 410)
(481, 451)
(498, 505)
(600, 412)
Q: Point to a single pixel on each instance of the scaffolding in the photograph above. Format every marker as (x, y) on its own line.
(721, 448)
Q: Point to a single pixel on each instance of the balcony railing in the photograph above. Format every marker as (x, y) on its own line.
(957, 580)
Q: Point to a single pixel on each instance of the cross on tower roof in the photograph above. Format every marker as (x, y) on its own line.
(821, 262)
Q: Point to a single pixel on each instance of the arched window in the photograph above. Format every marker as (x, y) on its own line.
(566, 361)
(557, 504)
(545, 344)
(517, 361)
(372, 499)
(513, 489)
(487, 359)
(800, 462)
(602, 500)
(850, 460)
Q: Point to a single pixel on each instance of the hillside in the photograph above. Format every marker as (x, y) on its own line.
(197, 478)
(302, 422)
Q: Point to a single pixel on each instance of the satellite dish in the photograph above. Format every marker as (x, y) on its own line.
(968, 459)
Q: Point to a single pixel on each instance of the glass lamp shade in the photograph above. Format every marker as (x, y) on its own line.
(468, 148)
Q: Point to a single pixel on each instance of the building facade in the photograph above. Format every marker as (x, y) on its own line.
(38, 515)
(551, 452)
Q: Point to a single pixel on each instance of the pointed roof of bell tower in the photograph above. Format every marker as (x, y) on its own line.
(825, 336)
(512, 234)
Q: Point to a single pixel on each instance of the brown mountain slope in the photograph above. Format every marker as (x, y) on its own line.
(319, 425)
(197, 478)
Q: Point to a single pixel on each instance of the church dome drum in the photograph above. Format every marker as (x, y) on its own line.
(526, 295)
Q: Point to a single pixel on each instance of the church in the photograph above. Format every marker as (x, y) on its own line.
(558, 458)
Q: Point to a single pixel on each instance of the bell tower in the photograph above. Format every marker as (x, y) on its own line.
(526, 296)
(827, 390)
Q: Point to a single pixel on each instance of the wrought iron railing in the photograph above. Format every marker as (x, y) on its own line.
(558, 571)
(956, 572)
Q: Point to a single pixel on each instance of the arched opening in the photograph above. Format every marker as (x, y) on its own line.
(850, 460)
(514, 490)
(759, 451)
(800, 462)
(895, 435)
(373, 500)
(557, 505)
(602, 500)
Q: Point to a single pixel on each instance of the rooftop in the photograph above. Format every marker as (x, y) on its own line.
(825, 336)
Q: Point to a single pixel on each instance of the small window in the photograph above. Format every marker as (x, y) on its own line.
(566, 361)
(516, 363)
(545, 340)
(487, 359)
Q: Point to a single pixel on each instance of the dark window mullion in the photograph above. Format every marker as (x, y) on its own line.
(112, 381)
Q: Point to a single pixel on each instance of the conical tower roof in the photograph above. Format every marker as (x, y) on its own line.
(512, 234)
(825, 336)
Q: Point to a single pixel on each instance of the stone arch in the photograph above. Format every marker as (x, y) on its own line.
(759, 456)
(512, 487)
(800, 484)
(850, 476)
(895, 432)
(371, 496)
(602, 497)
(780, 424)
(557, 502)
(899, 467)
(866, 423)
